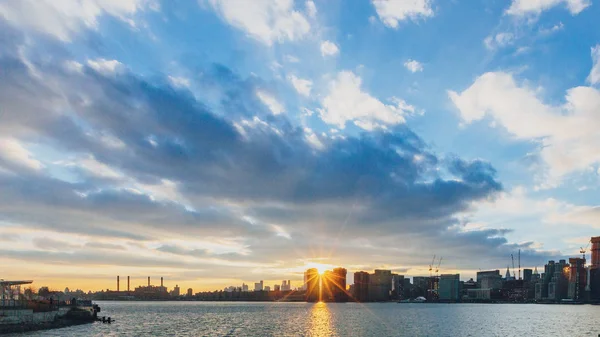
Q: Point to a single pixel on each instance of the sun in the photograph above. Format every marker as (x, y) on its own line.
(321, 268)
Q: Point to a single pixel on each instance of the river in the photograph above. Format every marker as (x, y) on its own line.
(337, 319)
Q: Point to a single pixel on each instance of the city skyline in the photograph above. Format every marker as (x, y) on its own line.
(213, 144)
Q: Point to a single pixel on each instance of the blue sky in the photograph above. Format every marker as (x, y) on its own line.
(219, 142)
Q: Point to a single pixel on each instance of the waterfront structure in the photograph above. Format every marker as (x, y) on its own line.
(490, 279)
(190, 292)
(313, 285)
(244, 287)
(577, 278)
(420, 286)
(338, 284)
(397, 286)
(361, 286)
(258, 286)
(559, 284)
(595, 261)
(380, 285)
(449, 287)
(176, 291)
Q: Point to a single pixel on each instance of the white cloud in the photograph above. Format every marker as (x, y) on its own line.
(313, 139)
(553, 29)
(12, 151)
(499, 40)
(179, 82)
(594, 77)
(292, 59)
(63, 18)
(413, 66)
(311, 9)
(266, 21)
(302, 86)
(391, 12)
(105, 66)
(329, 48)
(346, 102)
(568, 133)
(536, 7)
(270, 101)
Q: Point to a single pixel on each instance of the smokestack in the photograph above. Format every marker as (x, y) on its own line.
(118, 283)
(161, 281)
(148, 281)
(127, 283)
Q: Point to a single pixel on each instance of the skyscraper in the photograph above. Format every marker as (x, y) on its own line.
(338, 285)
(313, 285)
(595, 263)
(380, 285)
(361, 286)
(449, 287)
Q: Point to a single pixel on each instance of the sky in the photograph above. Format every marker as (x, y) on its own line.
(216, 142)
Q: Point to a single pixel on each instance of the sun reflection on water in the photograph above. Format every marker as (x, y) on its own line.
(320, 321)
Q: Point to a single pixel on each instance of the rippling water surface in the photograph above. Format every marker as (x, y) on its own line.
(338, 319)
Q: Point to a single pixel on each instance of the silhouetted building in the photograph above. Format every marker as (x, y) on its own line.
(277, 287)
(577, 278)
(176, 291)
(313, 286)
(527, 274)
(420, 286)
(449, 287)
(258, 286)
(361, 286)
(337, 281)
(595, 263)
(490, 279)
(559, 282)
(380, 285)
(397, 286)
(190, 292)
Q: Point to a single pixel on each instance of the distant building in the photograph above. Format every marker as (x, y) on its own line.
(420, 286)
(244, 287)
(267, 288)
(190, 292)
(176, 291)
(490, 279)
(449, 287)
(258, 286)
(312, 283)
(277, 287)
(380, 285)
(286, 285)
(577, 278)
(338, 284)
(557, 276)
(397, 286)
(595, 263)
(527, 274)
(361, 286)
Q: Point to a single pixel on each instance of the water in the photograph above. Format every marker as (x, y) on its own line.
(338, 319)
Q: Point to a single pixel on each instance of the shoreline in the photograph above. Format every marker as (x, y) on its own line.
(58, 324)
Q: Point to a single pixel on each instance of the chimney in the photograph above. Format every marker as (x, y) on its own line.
(118, 283)
(148, 281)
(127, 283)
(161, 281)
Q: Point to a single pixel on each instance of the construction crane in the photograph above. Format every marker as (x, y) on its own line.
(519, 264)
(437, 269)
(431, 266)
(513, 264)
(584, 250)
